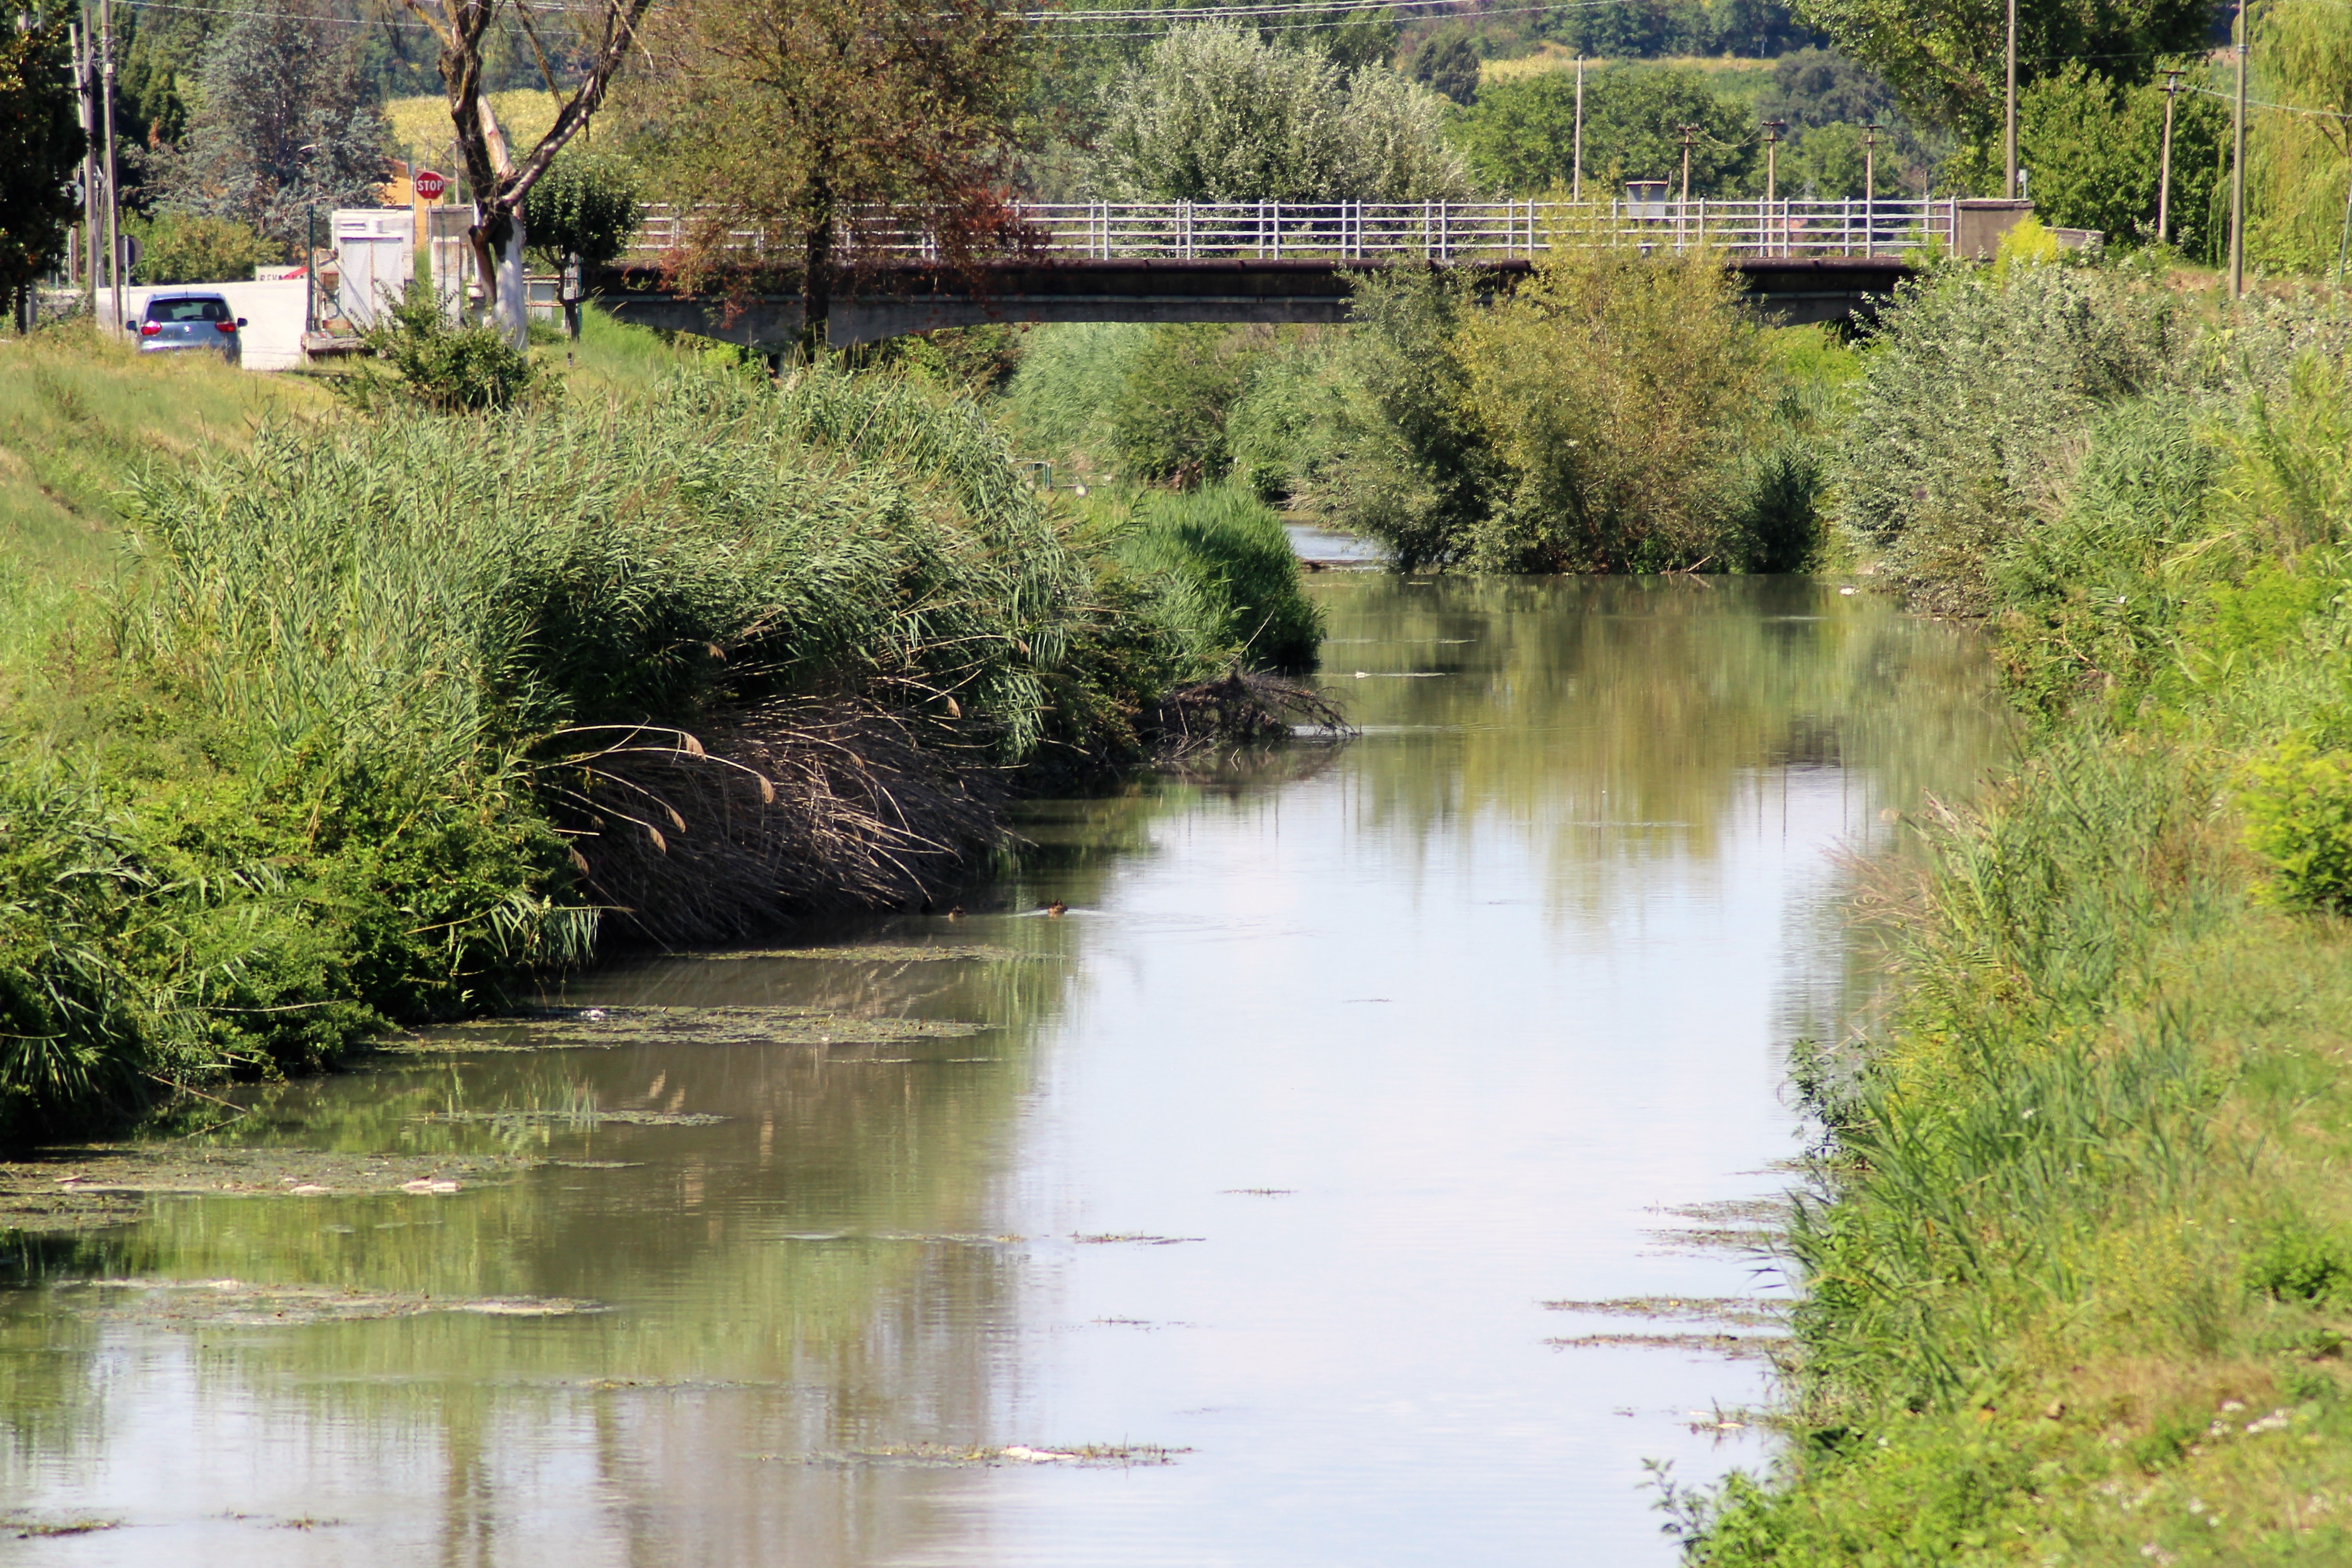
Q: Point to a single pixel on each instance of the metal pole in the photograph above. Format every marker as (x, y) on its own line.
(1576, 181)
(2238, 170)
(2008, 112)
(106, 99)
(2164, 163)
(2344, 239)
(1684, 205)
(1870, 190)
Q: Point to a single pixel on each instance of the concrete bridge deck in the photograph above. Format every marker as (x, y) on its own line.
(911, 295)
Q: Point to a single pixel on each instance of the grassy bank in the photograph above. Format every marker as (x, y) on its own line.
(324, 717)
(2077, 1266)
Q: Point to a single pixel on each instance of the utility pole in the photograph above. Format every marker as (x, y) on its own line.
(106, 104)
(2164, 163)
(2008, 116)
(1870, 190)
(1772, 129)
(1576, 184)
(1680, 210)
(2238, 170)
(79, 33)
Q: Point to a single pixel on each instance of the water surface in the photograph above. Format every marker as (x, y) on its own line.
(1265, 1160)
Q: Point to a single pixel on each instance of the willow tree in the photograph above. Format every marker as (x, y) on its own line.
(817, 138)
(40, 145)
(604, 32)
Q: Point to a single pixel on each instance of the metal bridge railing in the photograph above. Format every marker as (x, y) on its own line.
(1434, 231)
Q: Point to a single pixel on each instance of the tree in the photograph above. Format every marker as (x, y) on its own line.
(1216, 114)
(2298, 164)
(585, 206)
(1448, 65)
(2094, 146)
(41, 146)
(604, 32)
(283, 127)
(1945, 58)
(187, 248)
(835, 126)
(1521, 133)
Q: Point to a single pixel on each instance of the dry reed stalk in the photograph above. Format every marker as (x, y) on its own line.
(795, 806)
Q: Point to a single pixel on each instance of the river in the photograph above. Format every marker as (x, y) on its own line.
(1249, 1191)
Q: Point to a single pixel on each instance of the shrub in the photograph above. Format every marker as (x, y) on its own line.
(2298, 807)
(585, 206)
(450, 369)
(1168, 422)
(186, 247)
(1618, 388)
(1226, 577)
(2297, 1262)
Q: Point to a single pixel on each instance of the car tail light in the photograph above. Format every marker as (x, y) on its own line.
(151, 329)
(225, 326)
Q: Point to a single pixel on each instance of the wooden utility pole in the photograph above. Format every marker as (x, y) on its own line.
(106, 107)
(1772, 129)
(1681, 211)
(82, 52)
(2164, 163)
(2009, 114)
(2238, 170)
(1576, 179)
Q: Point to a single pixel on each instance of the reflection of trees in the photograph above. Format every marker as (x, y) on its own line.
(1613, 721)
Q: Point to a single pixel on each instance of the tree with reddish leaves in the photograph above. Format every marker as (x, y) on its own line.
(831, 130)
(607, 31)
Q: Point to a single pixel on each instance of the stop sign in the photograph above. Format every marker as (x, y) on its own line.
(429, 185)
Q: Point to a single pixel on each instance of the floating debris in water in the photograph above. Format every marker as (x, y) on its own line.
(1260, 1192)
(27, 1527)
(238, 1304)
(1135, 1237)
(878, 953)
(76, 1188)
(611, 1029)
(582, 1118)
(1748, 1311)
(942, 1456)
(1739, 1347)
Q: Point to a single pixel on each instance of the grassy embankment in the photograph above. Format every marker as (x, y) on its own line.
(319, 718)
(2078, 1274)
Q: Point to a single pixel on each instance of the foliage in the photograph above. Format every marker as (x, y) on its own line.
(1215, 114)
(2298, 163)
(1228, 579)
(41, 145)
(1521, 134)
(585, 206)
(1412, 466)
(1169, 421)
(1616, 389)
(2298, 806)
(810, 117)
(1448, 65)
(451, 369)
(1946, 62)
(1979, 384)
(2092, 146)
(2073, 1254)
(283, 125)
(1649, 29)
(187, 248)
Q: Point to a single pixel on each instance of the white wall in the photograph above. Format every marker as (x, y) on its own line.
(272, 312)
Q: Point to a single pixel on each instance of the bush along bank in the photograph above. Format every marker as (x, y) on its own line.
(390, 710)
(2076, 1269)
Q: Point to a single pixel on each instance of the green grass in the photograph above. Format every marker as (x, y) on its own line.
(2078, 1265)
(323, 716)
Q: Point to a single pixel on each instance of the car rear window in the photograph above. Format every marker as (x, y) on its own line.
(187, 310)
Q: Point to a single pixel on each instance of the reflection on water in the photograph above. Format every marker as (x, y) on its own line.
(1270, 1152)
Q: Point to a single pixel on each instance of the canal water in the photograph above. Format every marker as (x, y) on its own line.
(1218, 1220)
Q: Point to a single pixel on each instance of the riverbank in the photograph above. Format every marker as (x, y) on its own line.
(2077, 1259)
(320, 718)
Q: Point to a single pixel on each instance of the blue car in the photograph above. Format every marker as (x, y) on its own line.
(178, 322)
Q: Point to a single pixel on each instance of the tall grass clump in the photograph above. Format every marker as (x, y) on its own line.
(388, 712)
(2075, 1253)
(1230, 592)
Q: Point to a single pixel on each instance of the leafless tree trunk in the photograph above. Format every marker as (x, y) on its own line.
(500, 182)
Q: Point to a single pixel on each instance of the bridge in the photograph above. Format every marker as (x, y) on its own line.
(1279, 263)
